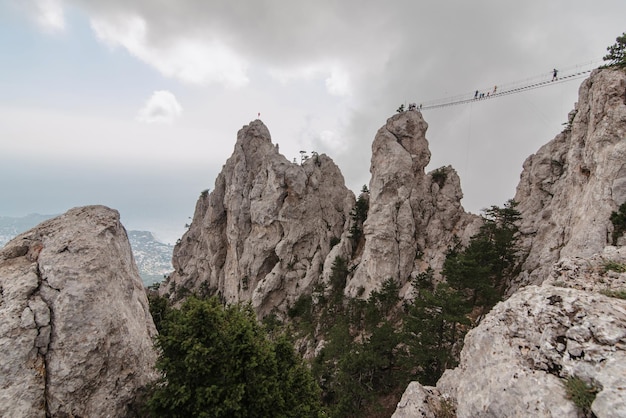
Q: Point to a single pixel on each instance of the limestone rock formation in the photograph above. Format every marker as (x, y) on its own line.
(569, 188)
(75, 328)
(515, 362)
(264, 232)
(421, 401)
(413, 217)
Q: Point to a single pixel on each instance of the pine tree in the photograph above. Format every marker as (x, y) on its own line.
(481, 269)
(617, 52)
(219, 362)
(434, 328)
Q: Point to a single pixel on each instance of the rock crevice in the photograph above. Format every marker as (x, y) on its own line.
(75, 328)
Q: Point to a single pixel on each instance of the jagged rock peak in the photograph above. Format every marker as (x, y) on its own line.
(265, 230)
(254, 141)
(408, 129)
(75, 328)
(413, 217)
(270, 230)
(569, 188)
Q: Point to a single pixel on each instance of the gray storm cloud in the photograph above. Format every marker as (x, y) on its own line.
(326, 75)
(383, 54)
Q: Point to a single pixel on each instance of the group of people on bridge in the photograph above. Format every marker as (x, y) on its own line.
(480, 95)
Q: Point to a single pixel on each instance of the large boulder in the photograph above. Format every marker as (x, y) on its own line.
(75, 328)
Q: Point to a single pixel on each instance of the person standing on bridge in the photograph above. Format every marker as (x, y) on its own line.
(554, 73)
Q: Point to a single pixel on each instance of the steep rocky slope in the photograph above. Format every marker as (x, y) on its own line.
(569, 188)
(266, 234)
(75, 329)
(515, 362)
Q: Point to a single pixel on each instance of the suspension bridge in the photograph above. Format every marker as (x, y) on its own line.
(539, 81)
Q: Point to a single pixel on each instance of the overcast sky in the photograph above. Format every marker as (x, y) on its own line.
(136, 104)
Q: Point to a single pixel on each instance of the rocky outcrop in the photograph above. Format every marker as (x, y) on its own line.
(264, 232)
(569, 188)
(574, 324)
(75, 328)
(516, 361)
(271, 230)
(423, 401)
(414, 217)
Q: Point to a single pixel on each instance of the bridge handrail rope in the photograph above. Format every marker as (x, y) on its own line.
(543, 80)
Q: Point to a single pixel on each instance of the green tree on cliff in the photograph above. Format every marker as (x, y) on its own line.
(617, 52)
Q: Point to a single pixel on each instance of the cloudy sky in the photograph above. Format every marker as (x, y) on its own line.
(136, 104)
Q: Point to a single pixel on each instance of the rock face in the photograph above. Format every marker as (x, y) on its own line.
(421, 401)
(264, 232)
(413, 217)
(75, 328)
(569, 188)
(515, 362)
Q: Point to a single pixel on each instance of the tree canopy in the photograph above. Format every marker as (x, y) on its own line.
(219, 362)
(481, 269)
(617, 52)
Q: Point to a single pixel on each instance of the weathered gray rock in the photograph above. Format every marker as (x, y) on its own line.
(514, 363)
(420, 401)
(75, 328)
(594, 274)
(264, 232)
(569, 188)
(413, 217)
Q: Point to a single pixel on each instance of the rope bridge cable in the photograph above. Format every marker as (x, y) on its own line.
(570, 73)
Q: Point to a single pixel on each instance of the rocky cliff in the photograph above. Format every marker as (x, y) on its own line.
(75, 329)
(569, 188)
(265, 230)
(414, 217)
(516, 361)
(271, 230)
